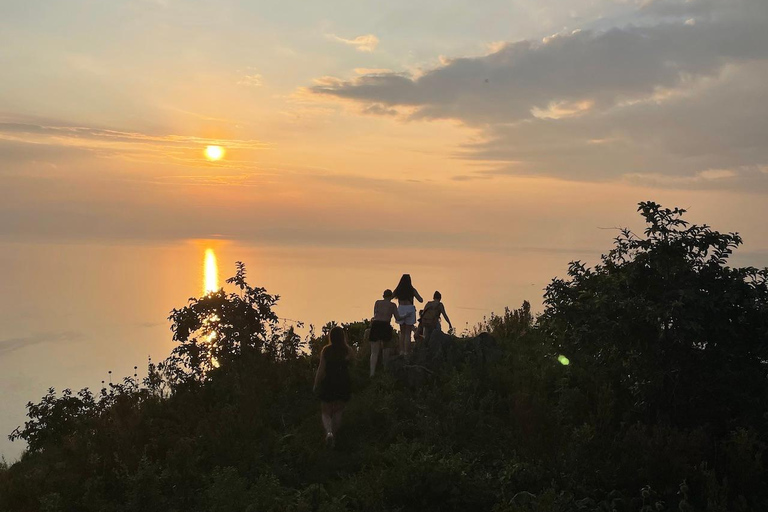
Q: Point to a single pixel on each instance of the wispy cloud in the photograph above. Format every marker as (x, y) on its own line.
(29, 140)
(365, 43)
(72, 134)
(250, 77)
(372, 71)
(12, 344)
(253, 80)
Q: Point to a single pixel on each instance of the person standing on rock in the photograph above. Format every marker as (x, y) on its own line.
(430, 319)
(381, 328)
(332, 382)
(405, 293)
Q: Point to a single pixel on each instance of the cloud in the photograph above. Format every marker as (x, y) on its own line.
(665, 96)
(253, 80)
(25, 140)
(12, 344)
(372, 71)
(11, 130)
(379, 110)
(365, 43)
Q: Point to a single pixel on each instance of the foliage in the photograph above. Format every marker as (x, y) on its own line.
(221, 327)
(651, 414)
(664, 322)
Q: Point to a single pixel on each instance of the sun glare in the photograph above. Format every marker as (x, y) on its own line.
(211, 272)
(214, 153)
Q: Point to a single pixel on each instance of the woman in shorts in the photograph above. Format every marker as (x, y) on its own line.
(405, 294)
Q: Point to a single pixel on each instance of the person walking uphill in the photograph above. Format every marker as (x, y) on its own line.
(332, 382)
(430, 319)
(405, 293)
(381, 328)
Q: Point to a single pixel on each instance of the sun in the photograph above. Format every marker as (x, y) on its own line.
(214, 153)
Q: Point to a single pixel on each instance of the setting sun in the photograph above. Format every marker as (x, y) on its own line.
(211, 272)
(214, 152)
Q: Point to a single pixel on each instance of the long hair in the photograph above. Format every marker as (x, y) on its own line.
(404, 288)
(337, 347)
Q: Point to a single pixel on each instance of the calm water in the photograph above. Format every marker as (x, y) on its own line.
(71, 313)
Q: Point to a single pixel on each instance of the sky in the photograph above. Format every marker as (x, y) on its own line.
(480, 145)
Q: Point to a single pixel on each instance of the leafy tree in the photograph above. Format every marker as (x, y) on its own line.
(666, 323)
(220, 327)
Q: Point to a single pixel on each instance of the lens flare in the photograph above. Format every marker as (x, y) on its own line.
(210, 272)
(214, 153)
(563, 360)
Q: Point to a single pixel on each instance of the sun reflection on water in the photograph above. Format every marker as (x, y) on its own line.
(210, 272)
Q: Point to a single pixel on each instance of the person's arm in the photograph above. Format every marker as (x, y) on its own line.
(320, 375)
(442, 307)
(395, 313)
(417, 296)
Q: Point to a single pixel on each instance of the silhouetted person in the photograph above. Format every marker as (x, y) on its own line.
(430, 319)
(405, 293)
(332, 382)
(381, 328)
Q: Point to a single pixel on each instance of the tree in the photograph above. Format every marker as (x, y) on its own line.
(220, 327)
(676, 331)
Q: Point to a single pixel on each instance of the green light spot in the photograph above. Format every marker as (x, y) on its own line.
(563, 360)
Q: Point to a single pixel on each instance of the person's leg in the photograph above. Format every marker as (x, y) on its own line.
(326, 413)
(403, 332)
(375, 349)
(386, 354)
(407, 339)
(337, 410)
(427, 333)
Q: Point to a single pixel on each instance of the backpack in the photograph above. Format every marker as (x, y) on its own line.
(431, 315)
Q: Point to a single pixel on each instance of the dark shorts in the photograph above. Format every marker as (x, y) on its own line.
(380, 331)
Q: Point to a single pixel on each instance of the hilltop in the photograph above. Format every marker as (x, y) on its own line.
(661, 405)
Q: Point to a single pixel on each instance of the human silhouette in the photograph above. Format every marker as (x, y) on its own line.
(381, 328)
(405, 294)
(430, 318)
(332, 382)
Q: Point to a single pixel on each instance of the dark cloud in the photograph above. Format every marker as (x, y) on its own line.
(680, 95)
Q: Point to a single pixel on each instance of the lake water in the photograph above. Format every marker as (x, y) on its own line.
(70, 313)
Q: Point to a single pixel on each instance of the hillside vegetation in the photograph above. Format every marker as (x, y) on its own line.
(662, 405)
